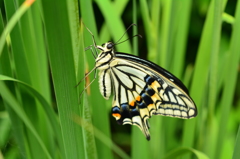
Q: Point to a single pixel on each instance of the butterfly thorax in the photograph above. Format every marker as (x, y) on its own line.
(104, 61)
(105, 56)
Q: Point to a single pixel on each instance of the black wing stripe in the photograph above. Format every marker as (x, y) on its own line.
(139, 83)
(125, 80)
(130, 70)
(103, 83)
(130, 96)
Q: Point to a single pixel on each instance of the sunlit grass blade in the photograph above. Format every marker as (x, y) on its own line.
(24, 7)
(228, 18)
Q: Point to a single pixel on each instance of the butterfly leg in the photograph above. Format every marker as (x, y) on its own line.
(94, 69)
(95, 76)
(94, 53)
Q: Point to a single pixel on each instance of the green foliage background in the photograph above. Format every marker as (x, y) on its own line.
(42, 59)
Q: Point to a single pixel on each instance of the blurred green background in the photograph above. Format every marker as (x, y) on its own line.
(42, 58)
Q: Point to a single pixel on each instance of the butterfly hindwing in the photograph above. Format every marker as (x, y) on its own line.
(128, 105)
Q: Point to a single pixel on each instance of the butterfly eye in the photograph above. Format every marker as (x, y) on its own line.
(109, 46)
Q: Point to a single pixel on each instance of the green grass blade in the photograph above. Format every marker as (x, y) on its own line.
(181, 151)
(88, 136)
(212, 83)
(61, 57)
(200, 76)
(135, 30)
(99, 110)
(6, 69)
(36, 56)
(149, 33)
(101, 136)
(228, 18)
(236, 153)
(21, 66)
(166, 34)
(116, 28)
(9, 98)
(74, 22)
(119, 6)
(182, 14)
(46, 107)
(5, 130)
(230, 81)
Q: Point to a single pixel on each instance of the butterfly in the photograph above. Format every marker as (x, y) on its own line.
(141, 88)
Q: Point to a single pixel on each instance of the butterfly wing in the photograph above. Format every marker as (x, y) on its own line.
(143, 89)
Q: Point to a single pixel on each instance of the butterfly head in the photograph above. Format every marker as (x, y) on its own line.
(105, 56)
(106, 47)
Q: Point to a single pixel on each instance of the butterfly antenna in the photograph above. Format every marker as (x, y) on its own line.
(125, 32)
(138, 35)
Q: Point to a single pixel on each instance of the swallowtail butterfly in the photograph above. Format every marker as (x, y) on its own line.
(141, 88)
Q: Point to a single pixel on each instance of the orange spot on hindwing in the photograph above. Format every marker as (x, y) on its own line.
(138, 98)
(117, 116)
(132, 103)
